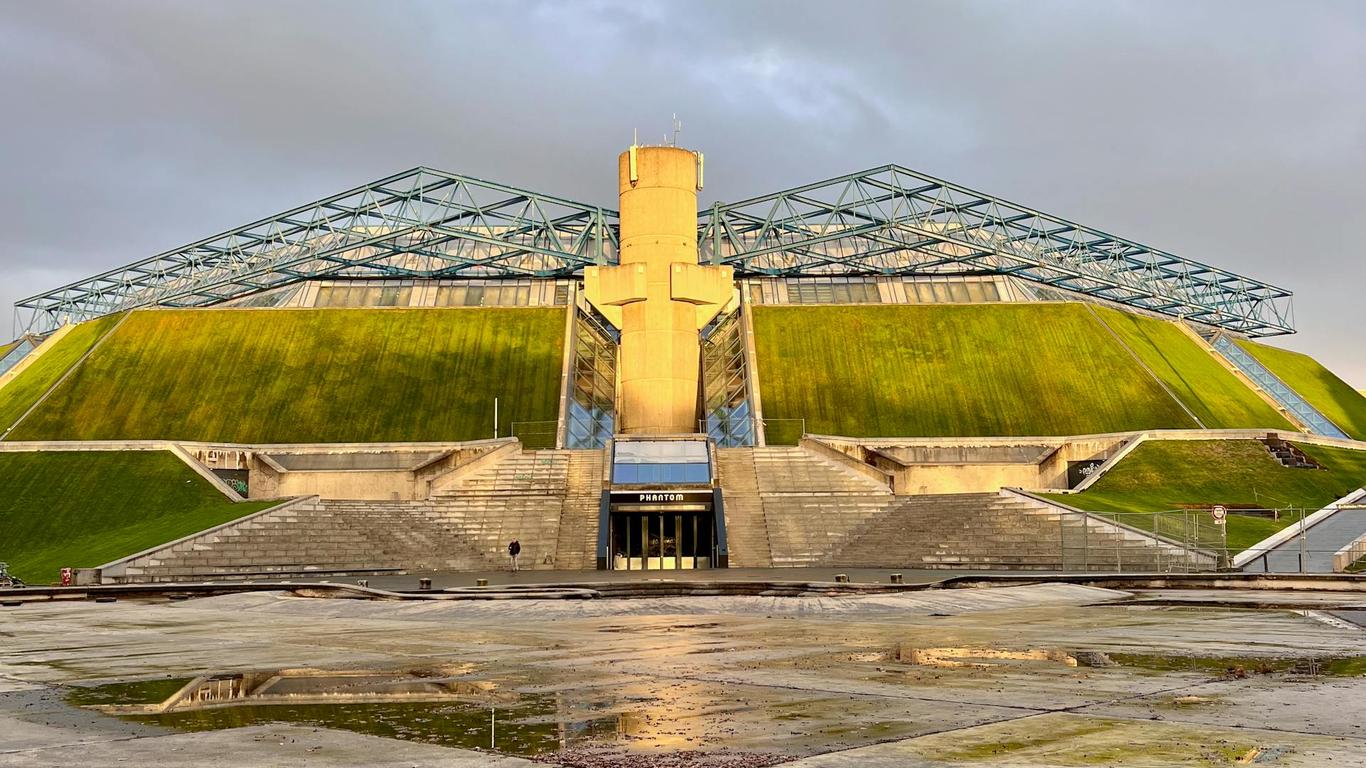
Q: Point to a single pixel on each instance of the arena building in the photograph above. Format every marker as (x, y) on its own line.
(881, 369)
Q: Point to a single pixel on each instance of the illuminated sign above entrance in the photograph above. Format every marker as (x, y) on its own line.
(662, 497)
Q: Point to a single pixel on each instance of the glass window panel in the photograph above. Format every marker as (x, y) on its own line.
(959, 292)
(474, 296)
(975, 292)
(524, 296)
(990, 293)
(941, 293)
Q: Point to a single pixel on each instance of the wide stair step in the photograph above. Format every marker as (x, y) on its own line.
(546, 499)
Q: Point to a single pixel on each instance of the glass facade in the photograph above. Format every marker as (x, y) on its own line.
(661, 462)
(729, 418)
(592, 414)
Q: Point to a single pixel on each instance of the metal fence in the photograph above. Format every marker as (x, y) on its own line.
(1285, 540)
(1334, 543)
(1172, 541)
(535, 434)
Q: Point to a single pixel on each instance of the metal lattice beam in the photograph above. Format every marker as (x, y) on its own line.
(894, 221)
(419, 223)
(425, 223)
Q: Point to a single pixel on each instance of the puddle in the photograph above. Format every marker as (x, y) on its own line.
(134, 693)
(453, 707)
(988, 658)
(1086, 741)
(429, 705)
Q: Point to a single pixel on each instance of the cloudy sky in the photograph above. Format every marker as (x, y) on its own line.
(1231, 132)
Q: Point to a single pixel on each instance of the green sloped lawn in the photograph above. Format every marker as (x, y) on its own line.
(908, 371)
(311, 375)
(1332, 396)
(82, 509)
(1175, 474)
(24, 390)
(1220, 399)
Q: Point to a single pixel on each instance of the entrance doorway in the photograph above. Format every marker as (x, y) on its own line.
(661, 541)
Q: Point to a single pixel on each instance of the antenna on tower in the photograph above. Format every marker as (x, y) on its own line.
(677, 129)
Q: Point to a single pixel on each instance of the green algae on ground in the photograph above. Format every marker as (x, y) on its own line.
(1238, 666)
(1085, 741)
(136, 692)
(530, 728)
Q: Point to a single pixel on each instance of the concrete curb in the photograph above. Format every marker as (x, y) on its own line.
(1353, 585)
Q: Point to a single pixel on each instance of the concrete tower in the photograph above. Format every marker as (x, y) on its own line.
(659, 296)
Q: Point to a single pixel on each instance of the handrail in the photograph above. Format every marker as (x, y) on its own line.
(1273, 385)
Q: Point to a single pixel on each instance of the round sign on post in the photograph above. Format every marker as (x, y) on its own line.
(1219, 514)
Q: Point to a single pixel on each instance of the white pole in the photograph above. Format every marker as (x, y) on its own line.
(495, 418)
(493, 728)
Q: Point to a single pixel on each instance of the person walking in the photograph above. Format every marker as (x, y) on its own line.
(514, 549)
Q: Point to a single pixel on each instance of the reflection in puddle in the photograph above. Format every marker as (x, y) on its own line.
(446, 706)
(978, 658)
(984, 658)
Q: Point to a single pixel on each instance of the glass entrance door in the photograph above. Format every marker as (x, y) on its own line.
(661, 541)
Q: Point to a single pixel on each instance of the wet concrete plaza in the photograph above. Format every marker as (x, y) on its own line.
(1050, 674)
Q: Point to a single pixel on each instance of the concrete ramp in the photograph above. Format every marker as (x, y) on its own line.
(1321, 544)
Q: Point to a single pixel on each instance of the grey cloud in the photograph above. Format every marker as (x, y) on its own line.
(1231, 132)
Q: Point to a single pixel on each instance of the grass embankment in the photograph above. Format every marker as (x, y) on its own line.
(6, 347)
(910, 371)
(1218, 398)
(1164, 475)
(1332, 396)
(24, 390)
(318, 375)
(82, 509)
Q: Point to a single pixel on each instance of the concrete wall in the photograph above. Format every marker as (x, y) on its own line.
(411, 480)
(975, 464)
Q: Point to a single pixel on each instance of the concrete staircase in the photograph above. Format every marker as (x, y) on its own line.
(986, 531)
(746, 525)
(786, 506)
(578, 533)
(546, 499)
(1287, 454)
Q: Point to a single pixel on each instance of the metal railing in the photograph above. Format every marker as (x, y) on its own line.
(1172, 541)
(1331, 544)
(1279, 390)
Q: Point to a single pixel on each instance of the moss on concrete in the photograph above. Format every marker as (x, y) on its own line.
(33, 382)
(1332, 396)
(1218, 398)
(995, 369)
(312, 375)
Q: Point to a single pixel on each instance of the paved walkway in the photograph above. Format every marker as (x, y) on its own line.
(441, 580)
(1049, 674)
